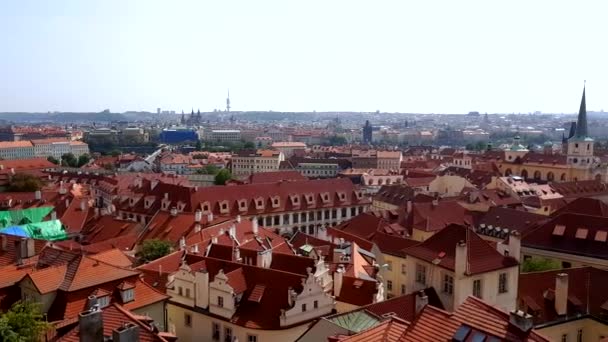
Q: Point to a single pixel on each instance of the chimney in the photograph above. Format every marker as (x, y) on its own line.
(561, 293)
(53, 215)
(198, 215)
(38, 195)
(515, 245)
(30, 248)
(62, 190)
(195, 249)
(460, 259)
(214, 240)
(237, 253)
(128, 332)
(232, 231)
(20, 250)
(197, 227)
(91, 325)
(174, 211)
(166, 195)
(83, 205)
(210, 217)
(521, 320)
(1, 167)
(421, 301)
(12, 170)
(238, 218)
(182, 243)
(254, 226)
(435, 201)
(67, 202)
(338, 275)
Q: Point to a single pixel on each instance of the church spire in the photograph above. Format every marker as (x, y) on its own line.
(581, 124)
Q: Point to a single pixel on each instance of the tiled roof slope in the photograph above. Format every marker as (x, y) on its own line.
(431, 217)
(390, 331)
(481, 256)
(437, 325)
(586, 206)
(572, 234)
(277, 176)
(586, 293)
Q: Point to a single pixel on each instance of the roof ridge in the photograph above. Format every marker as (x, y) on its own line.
(134, 319)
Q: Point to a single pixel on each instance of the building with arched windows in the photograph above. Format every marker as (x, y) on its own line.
(578, 162)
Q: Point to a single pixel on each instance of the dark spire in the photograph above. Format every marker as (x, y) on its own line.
(581, 123)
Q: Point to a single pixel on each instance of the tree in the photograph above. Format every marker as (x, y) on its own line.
(540, 264)
(83, 159)
(222, 177)
(336, 140)
(249, 145)
(154, 249)
(115, 153)
(23, 322)
(53, 160)
(199, 145)
(208, 170)
(69, 159)
(23, 182)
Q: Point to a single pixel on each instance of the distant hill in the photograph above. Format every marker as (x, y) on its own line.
(62, 117)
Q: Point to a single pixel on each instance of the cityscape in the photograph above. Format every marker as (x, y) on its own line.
(127, 215)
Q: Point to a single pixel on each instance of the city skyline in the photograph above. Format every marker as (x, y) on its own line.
(339, 56)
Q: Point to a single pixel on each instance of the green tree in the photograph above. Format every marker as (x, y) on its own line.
(154, 249)
(69, 159)
(23, 182)
(208, 170)
(337, 140)
(539, 264)
(199, 145)
(24, 322)
(83, 159)
(53, 160)
(249, 145)
(222, 177)
(115, 153)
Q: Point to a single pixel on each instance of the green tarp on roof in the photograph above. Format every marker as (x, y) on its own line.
(48, 230)
(355, 321)
(25, 216)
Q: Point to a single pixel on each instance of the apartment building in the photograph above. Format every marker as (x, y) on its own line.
(248, 162)
(57, 147)
(16, 150)
(289, 148)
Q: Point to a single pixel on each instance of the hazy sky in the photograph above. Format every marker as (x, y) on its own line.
(407, 56)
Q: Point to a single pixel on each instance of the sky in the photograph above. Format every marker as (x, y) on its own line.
(392, 56)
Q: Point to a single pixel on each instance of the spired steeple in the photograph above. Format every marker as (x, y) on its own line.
(581, 124)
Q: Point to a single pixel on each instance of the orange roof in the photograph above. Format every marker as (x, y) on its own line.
(114, 257)
(15, 144)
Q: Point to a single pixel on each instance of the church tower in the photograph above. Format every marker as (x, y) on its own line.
(580, 146)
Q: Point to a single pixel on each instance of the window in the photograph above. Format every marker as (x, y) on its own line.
(566, 264)
(502, 283)
(215, 331)
(315, 304)
(252, 338)
(187, 320)
(402, 268)
(402, 289)
(448, 284)
(188, 293)
(127, 295)
(421, 274)
(579, 335)
(477, 288)
(180, 291)
(227, 334)
(389, 265)
(389, 285)
(220, 301)
(565, 338)
(103, 301)
(303, 307)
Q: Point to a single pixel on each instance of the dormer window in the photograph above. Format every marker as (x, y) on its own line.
(242, 205)
(103, 301)
(325, 197)
(358, 194)
(310, 199)
(341, 196)
(259, 203)
(165, 204)
(275, 201)
(127, 296)
(205, 206)
(224, 207)
(295, 200)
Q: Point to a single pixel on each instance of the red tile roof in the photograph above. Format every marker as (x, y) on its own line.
(430, 217)
(115, 316)
(481, 256)
(277, 176)
(586, 293)
(437, 325)
(592, 245)
(585, 206)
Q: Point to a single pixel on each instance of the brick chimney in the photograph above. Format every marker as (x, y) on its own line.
(90, 323)
(561, 293)
(422, 300)
(128, 332)
(515, 245)
(460, 259)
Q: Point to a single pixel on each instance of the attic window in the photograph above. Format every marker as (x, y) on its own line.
(275, 202)
(559, 230)
(259, 203)
(601, 235)
(309, 199)
(127, 295)
(295, 200)
(242, 205)
(205, 206)
(359, 194)
(581, 233)
(325, 197)
(341, 196)
(224, 206)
